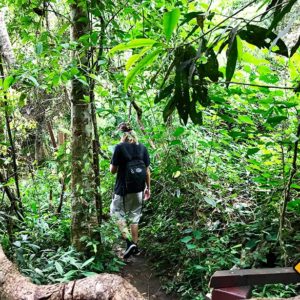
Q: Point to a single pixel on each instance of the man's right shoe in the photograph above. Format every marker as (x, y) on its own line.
(136, 250)
(131, 248)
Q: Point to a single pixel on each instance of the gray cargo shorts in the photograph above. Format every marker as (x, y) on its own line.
(129, 206)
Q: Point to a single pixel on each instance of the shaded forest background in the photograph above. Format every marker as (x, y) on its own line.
(211, 87)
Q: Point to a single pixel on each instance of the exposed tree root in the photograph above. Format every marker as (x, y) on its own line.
(14, 286)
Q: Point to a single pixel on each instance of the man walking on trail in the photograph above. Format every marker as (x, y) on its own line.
(131, 162)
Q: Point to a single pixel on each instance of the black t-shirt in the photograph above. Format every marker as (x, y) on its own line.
(123, 153)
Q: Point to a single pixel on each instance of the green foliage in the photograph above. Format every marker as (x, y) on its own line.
(280, 290)
(220, 165)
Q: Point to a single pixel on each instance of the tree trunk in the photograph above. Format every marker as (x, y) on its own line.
(14, 286)
(83, 205)
(38, 143)
(5, 45)
(6, 59)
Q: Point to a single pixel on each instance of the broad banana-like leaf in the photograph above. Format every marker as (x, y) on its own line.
(135, 57)
(145, 61)
(137, 43)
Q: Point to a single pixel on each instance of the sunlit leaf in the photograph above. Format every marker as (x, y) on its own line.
(295, 186)
(179, 131)
(148, 59)
(8, 81)
(137, 43)
(245, 119)
(170, 22)
(135, 57)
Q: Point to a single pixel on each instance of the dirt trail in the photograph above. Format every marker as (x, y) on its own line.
(139, 274)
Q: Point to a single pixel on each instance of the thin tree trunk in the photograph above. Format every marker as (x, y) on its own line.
(5, 45)
(62, 194)
(14, 286)
(139, 114)
(11, 196)
(38, 143)
(287, 193)
(11, 142)
(96, 140)
(53, 141)
(83, 204)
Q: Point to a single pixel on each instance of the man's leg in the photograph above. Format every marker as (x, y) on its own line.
(135, 213)
(117, 211)
(124, 229)
(134, 232)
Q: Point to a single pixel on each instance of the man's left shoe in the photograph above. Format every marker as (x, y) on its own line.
(136, 250)
(131, 248)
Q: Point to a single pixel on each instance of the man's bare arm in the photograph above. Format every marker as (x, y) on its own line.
(148, 178)
(147, 193)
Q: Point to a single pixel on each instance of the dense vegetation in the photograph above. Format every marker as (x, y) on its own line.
(213, 92)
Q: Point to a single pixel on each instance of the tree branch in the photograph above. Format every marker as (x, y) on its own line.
(258, 85)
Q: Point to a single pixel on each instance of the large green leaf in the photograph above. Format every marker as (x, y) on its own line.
(59, 268)
(200, 94)
(179, 131)
(196, 116)
(182, 95)
(294, 206)
(135, 57)
(245, 119)
(167, 91)
(170, 107)
(170, 22)
(232, 55)
(295, 47)
(137, 43)
(190, 16)
(273, 121)
(211, 68)
(148, 59)
(8, 81)
(262, 38)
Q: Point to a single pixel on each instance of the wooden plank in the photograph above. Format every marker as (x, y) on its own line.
(232, 293)
(249, 277)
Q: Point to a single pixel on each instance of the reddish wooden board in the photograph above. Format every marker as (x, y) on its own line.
(233, 293)
(250, 277)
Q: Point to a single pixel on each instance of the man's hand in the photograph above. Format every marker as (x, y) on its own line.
(113, 169)
(147, 194)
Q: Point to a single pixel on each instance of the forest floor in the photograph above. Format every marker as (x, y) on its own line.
(139, 273)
